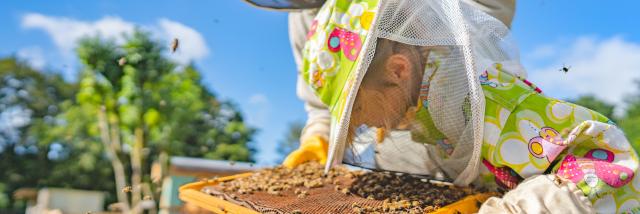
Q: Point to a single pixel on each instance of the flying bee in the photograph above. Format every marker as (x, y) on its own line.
(565, 68)
(381, 133)
(122, 61)
(127, 189)
(174, 45)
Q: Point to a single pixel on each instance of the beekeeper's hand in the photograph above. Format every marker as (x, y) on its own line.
(313, 148)
(540, 194)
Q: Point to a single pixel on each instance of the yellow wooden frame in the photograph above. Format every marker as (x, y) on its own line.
(191, 193)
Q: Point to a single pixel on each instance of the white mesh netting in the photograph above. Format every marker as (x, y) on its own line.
(418, 106)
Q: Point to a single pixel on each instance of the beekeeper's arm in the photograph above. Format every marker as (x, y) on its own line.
(599, 167)
(317, 112)
(590, 169)
(315, 135)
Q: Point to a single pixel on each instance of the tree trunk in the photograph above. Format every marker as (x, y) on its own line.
(118, 168)
(115, 134)
(136, 166)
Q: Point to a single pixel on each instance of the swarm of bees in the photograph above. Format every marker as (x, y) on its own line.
(401, 193)
(404, 187)
(276, 180)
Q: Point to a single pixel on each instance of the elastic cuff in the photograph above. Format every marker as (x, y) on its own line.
(571, 187)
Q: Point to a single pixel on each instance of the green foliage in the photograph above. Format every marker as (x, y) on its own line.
(591, 102)
(179, 115)
(24, 156)
(175, 113)
(630, 121)
(4, 198)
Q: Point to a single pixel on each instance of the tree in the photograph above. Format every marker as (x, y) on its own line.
(29, 99)
(630, 122)
(114, 123)
(591, 102)
(291, 140)
(148, 107)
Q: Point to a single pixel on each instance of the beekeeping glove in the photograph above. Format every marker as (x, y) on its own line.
(540, 194)
(312, 148)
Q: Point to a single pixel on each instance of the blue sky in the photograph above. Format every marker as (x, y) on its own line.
(245, 56)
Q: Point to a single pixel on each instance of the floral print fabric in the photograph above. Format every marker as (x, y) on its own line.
(334, 42)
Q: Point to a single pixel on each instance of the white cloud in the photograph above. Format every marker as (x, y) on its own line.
(191, 43)
(606, 68)
(258, 110)
(258, 99)
(33, 55)
(66, 31)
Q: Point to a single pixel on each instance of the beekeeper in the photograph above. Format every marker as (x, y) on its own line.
(436, 88)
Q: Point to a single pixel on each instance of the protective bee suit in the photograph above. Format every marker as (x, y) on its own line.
(436, 88)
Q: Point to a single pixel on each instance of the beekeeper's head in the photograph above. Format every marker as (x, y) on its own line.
(391, 87)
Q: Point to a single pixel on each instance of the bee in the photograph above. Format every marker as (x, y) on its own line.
(127, 189)
(122, 61)
(565, 68)
(174, 45)
(146, 198)
(381, 133)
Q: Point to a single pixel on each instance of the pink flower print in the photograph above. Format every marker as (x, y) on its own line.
(613, 174)
(570, 169)
(348, 42)
(312, 30)
(548, 145)
(591, 171)
(351, 45)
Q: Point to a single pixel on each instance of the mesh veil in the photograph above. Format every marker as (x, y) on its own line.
(412, 102)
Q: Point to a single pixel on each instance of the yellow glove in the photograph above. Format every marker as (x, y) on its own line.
(313, 148)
